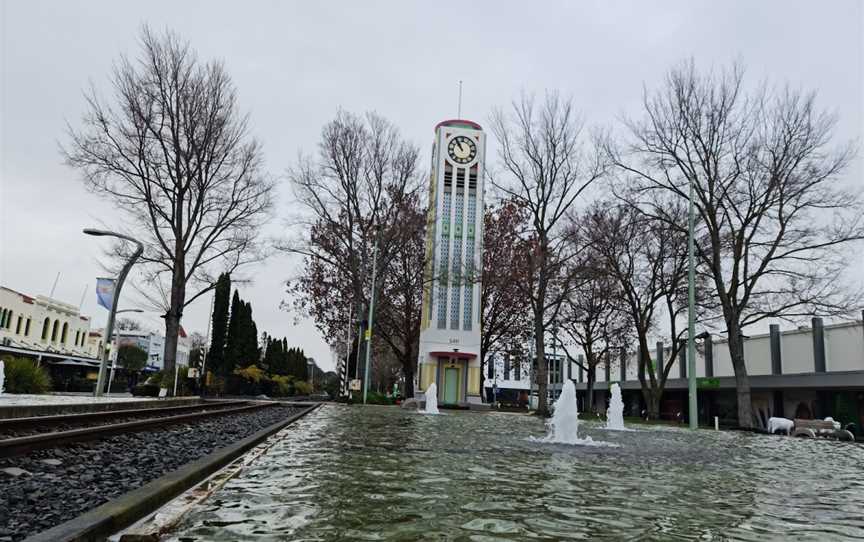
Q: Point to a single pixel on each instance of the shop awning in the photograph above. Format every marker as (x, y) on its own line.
(457, 355)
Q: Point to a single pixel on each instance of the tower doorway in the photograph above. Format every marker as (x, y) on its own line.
(451, 385)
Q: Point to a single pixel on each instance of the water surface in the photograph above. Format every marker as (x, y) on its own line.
(381, 473)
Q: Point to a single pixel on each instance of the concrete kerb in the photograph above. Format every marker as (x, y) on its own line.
(101, 522)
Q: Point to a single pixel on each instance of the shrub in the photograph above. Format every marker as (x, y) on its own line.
(302, 388)
(24, 376)
(146, 390)
(280, 385)
(249, 380)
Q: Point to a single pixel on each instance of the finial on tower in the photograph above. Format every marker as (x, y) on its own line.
(459, 108)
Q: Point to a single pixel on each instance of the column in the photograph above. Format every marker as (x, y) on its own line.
(776, 360)
(608, 371)
(708, 344)
(623, 363)
(818, 345)
(581, 361)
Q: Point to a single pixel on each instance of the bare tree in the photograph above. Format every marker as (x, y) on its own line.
(128, 324)
(506, 314)
(545, 172)
(647, 261)
(593, 320)
(174, 154)
(773, 212)
(355, 195)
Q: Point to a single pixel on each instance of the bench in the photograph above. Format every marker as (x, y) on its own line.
(821, 428)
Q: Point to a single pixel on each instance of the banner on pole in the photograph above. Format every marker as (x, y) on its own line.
(105, 292)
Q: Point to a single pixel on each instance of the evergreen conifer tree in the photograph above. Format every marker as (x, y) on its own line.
(234, 341)
(221, 297)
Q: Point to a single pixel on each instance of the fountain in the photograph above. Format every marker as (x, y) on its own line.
(431, 400)
(564, 425)
(615, 412)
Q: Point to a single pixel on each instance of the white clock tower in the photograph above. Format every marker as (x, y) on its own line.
(450, 326)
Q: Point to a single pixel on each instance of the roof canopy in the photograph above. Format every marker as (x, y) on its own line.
(458, 355)
(459, 123)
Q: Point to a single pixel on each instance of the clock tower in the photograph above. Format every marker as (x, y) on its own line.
(450, 323)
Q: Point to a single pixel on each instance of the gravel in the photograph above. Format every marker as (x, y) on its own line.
(92, 473)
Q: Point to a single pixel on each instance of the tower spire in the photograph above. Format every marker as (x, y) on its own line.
(459, 107)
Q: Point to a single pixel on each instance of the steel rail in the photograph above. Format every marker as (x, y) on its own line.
(57, 419)
(22, 445)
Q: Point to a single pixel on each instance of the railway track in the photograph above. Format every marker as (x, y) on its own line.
(151, 418)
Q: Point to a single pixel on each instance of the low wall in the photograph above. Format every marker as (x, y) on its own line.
(26, 411)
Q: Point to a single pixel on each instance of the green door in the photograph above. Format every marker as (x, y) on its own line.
(451, 382)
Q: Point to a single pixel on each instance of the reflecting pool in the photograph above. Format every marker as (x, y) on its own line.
(381, 473)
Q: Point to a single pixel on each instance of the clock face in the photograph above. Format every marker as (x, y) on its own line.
(462, 150)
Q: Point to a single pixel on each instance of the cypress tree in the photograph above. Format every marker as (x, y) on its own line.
(234, 342)
(221, 297)
(253, 353)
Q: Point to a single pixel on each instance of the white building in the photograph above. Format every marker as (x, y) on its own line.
(449, 353)
(154, 344)
(41, 323)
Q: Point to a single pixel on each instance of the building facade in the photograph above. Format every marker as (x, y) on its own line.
(809, 372)
(41, 323)
(154, 344)
(449, 353)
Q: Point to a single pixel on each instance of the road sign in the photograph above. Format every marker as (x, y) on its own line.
(356, 385)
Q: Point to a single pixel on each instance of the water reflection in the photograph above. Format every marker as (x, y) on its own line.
(379, 473)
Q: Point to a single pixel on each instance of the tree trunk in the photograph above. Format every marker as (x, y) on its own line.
(173, 318)
(589, 388)
(653, 401)
(742, 381)
(408, 373)
(540, 348)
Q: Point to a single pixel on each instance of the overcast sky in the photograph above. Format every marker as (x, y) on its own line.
(295, 63)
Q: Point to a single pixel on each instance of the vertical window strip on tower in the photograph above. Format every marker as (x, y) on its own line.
(458, 207)
(442, 278)
(468, 315)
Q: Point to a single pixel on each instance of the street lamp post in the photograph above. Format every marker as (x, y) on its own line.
(109, 326)
(371, 315)
(115, 350)
(691, 314)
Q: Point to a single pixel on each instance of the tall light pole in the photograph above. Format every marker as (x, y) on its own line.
(371, 314)
(109, 326)
(691, 313)
(115, 350)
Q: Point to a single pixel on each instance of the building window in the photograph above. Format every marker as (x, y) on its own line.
(77, 337)
(45, 326)
(3, 318)
(64, 333)
(517, 370)
(27, 328)
(18, 325)
(506, 367)
(54, 329)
